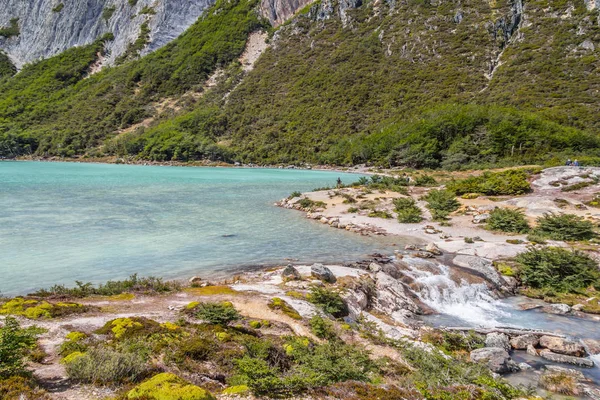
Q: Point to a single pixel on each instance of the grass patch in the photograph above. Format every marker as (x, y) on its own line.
(279, 304)
(510, 182)
(212, 291)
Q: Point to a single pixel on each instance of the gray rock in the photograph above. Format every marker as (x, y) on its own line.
(195, 280)
(524, 366)
(374, 267)
(593, 346)
(499, 340)
(290, 273)
(531, 350)
(482, 266)
(481, 218)
(392, 297)
(577, 307)
(562, 346)
(422, 254)
(561, 358)
(496, 359)
(555, 369)
(524, 341)
(323, 273)
(433, 249)
(559, 309)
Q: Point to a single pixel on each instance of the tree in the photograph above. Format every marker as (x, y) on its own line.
(15, 344)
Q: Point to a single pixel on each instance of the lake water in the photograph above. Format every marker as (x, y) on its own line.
(61, 222)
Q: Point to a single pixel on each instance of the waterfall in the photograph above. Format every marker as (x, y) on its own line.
(472, 303)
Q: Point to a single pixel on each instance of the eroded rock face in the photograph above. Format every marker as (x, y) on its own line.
(496, 359)
(481, 266)
(45, 33)
(562, 346)
(278, 11)
(392, 297)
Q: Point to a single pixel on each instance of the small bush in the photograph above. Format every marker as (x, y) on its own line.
(15, 345)
(310, 205)
(20, 388)
(407, 210)
(453, 342)
(510, 182)
(564, 227)
(322, 328)
(507, 220)
(104, 365)
(425, 180)
(35, 309)
(380, 214)
(441, 203)
(217, 313)
(125, 328)
(558, 269)
(329, 301)
(294, 194)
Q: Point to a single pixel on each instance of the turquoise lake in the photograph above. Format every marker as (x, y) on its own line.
(61, 222)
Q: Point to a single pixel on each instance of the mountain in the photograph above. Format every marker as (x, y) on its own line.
(416, 82)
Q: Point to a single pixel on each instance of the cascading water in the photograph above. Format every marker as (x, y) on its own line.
(473, 303)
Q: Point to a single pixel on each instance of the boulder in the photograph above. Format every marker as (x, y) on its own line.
(290, 273)
(392, 297)
(374, 267)
(499, 340)
(482, 266)
(559, 309)
(561, 358)
(562, 346)
(496, 359)
(567, 371)
(195, 280)
(422, 254)
(561, 380)
(524, 341)
(531, 350)
(323, 273)
(433, 249)
(593, 346)
(481, 218)
(577, 307)
(524, 366)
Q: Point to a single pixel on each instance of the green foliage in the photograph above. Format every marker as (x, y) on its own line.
(454, 342)
(15, 344)
(557, 269)
(147, 10)
(510, 182)
(34, 309)
(217, 313)
(294, 194)
(309, 204)
(564, 227)
(328, 300)
(132, 51)
(7, 68)
(146, 285)
(277, 303)
(104, 365)
(59, 7)
(407, 210)
(441, 203)
(322, 328)
(425, 180)
(11, 30)
(379, 214)
(507, 220)
(48, 108)
(18, 387)
(168, 386)
(132, 3)
(108, 12)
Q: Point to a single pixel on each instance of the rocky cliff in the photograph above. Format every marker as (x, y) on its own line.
(49, 27)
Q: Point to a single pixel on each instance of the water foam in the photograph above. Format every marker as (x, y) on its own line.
(472, 303)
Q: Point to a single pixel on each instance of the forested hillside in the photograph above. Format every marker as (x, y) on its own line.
(417, 83)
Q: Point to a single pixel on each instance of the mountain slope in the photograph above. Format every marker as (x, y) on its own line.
(402, 83)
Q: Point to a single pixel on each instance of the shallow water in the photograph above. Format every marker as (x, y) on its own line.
(61, 222)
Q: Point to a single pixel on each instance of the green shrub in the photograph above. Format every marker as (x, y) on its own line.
(309, 204)
(558, 269)
(104, 365)
(168, 386)
(507, 220)
(277, 303)
(379, 214)
(322, 328)
(407, 210)
(217, 313)
(128, 327)
(59, 7)
(453, 342)
(441, 203)
(564, 227)
(294, 194)
(425, 180)
(15, 345)
(329, 301)
(509, 182)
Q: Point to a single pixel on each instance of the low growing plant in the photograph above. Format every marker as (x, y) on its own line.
(407, 210)
(568, 227)
(217, 313)
(441, 203)
(507, 220)
(328, 300)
